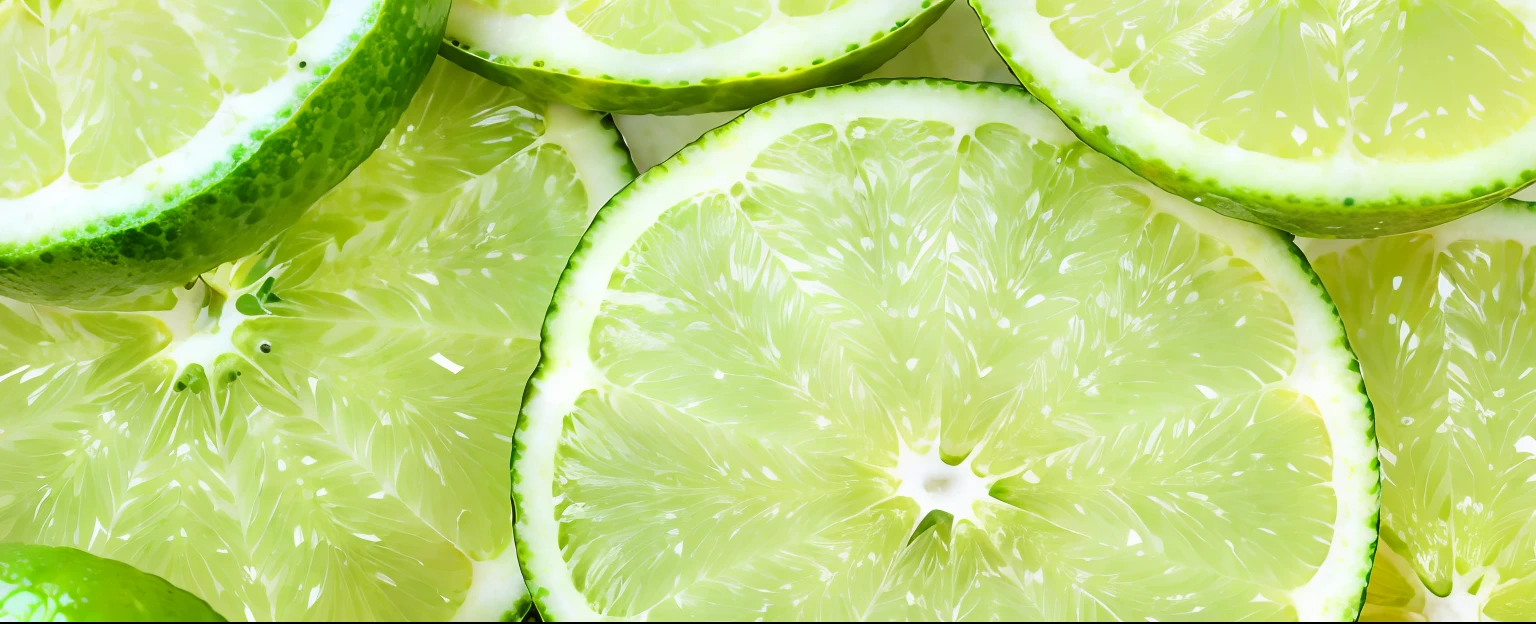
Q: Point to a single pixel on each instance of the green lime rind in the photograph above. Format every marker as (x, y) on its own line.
(57, 584)
(1308, 215)
(258, 190)
(1337, 592)
(641, 96)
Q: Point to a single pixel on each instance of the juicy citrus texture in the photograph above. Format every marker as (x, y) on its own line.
(320, 431)
(97, 89)
(52, 584)
(901, 368)
(1440, 320)
(1311, 79)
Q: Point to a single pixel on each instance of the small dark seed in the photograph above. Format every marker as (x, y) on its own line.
(266, 347)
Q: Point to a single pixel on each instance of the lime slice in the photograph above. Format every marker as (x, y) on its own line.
(679, 56)
(322, 431)
(954, 47)
(47, 584)
(909, 350)
(150, 140)
(1328, 119)
(1441, 321)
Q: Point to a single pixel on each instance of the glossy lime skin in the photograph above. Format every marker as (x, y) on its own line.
(643, 97)
(49, 584)
(256, 193)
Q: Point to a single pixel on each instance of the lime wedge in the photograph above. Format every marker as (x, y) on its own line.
(1441, 321)
(955, 47)
(148, 141)
(47, 584)
(321, 431)
(909, 350)
(672, 57)
(1327, 119)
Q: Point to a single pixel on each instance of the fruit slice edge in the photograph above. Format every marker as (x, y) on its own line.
(775, 51)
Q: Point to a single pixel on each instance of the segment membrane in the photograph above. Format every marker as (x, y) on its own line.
(768, 351)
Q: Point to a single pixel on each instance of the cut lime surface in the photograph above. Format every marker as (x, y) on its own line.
(955, 47)
(1329, 119)
(321, 431)
(55, 584)
(909, 350)
(1441, 321)
(680, 56)
(148, 141)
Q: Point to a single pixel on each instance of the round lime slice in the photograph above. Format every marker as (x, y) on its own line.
(955, 47)
(49, 584)
(148, 141)
(1441, 321)
(1327, 119)
(322, 431)
(910, 350)
(680, 56)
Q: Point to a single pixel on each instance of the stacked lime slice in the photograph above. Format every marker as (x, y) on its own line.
(680, 56)
(321, 431)
(147, 141)
(1329, 119)
(51, 584)
(909, 350)
(1441, 322)
(955, 47)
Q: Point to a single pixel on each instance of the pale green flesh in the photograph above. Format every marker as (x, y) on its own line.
(358, 469)
(1118, 382)
(1307, 80)
(1441, 323)
(97, 89)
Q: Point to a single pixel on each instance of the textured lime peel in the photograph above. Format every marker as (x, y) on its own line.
(909, 350)
(151, 141)
(954, 47)
(1332, 119)
(321, 431)
(49, 584)
(679, 57)
(1441, 320)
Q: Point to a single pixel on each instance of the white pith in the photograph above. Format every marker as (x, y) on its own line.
(66, 204)
(935, 485)
(1460, 605)
(1111, 100)
(722, 159)
(781, 41)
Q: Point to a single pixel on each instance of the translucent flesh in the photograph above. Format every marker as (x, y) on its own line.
(1312, 78)
(666, 26)
(768, 353)
(1443, 334)
(344, 455)
(99, 88)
